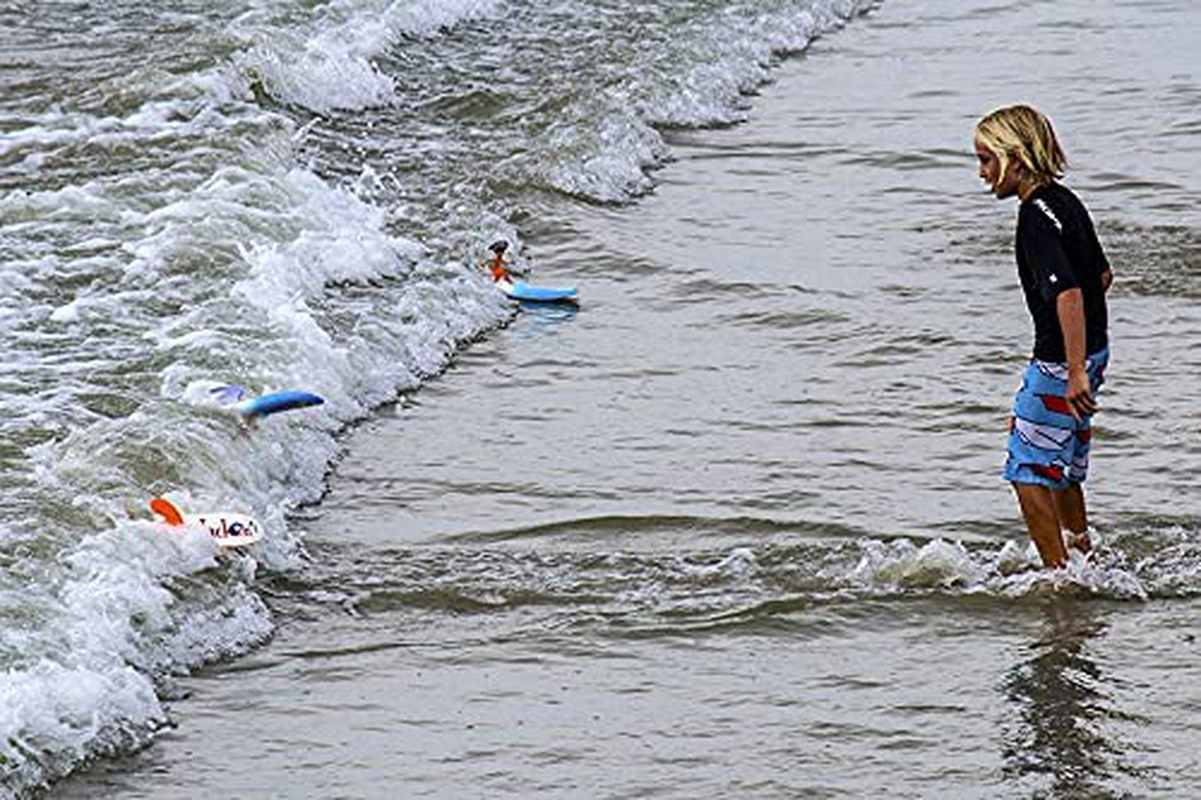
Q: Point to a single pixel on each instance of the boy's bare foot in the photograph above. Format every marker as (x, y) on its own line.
(1079, 541)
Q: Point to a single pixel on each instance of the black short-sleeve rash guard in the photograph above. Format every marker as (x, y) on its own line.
(1057, 250)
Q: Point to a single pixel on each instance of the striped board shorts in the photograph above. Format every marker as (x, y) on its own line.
(1047, 446)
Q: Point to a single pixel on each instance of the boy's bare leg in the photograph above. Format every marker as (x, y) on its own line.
(1070, 506)
(1042, 521)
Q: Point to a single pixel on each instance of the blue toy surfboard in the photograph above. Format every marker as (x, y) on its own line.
(275, 402)
(264, 405)
(538, 294)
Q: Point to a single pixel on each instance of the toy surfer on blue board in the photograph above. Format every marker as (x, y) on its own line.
(503, 277)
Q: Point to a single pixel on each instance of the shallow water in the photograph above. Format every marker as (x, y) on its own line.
(735, 526)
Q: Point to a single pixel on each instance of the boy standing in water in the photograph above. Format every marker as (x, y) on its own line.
(1064, 275)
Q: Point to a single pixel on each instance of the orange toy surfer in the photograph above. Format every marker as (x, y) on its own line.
(497, 265)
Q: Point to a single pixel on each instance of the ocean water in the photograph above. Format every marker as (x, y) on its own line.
(733, 528)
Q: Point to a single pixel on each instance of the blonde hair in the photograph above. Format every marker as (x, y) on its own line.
(1023, 133)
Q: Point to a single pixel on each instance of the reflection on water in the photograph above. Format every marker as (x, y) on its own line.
(1063, 705)
(548, 314)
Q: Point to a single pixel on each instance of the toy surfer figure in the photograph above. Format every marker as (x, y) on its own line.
(500, 272)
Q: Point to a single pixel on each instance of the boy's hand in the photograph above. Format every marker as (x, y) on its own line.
(1080, 394)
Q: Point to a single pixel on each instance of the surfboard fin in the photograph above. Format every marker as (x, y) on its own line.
(167, 511)
(228, 393)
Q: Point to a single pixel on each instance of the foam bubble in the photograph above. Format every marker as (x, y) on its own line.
(902, 564)
(1012, 570)
(55, 716)
(607, 141)
(329, 65)
(225, 259)
(119, 623)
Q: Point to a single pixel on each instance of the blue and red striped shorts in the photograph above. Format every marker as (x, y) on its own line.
(1047, 446)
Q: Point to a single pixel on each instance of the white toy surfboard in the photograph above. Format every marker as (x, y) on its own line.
(227, 529)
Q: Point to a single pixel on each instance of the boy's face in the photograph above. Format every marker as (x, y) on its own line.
(990, 172)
